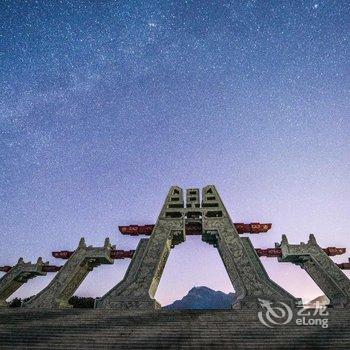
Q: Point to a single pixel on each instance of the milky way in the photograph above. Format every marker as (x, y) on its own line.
(106, 104)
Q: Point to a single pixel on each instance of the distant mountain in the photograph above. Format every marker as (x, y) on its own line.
(322, 300)
(203, 298)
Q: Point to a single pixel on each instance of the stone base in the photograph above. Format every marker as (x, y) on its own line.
(47, 306)
(128, 304)
(64, 305)
(250, 303)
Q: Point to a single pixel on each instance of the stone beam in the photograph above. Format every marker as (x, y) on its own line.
(70, 276)
(253, 228)
(17, 276)
(326, 274)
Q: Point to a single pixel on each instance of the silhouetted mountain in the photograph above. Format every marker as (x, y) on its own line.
(203, 298)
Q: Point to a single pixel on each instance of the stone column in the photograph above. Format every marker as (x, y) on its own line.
(114, 298)
(321, 268)
(70, 276)
(140, 284)
(248, 276)
(17, 276)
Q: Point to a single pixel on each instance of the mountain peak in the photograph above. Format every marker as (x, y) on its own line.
(203, 298)
(200, 289)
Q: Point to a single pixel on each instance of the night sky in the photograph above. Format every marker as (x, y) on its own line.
(106, 104)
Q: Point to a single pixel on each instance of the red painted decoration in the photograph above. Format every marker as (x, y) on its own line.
(332, 251)
(276, 252)
(115, 254)
(51, 268)
(269, 252)
(46, 268)
(122, 254)
(63, 254)
(345, 266)
(254, 227)
(5, 268)
(135, 230)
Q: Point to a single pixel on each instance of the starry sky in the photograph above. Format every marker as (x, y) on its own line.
(106, 104)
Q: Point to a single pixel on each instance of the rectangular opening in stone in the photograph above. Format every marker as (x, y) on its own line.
(173, 214)
(175, 205)
(210, 204)
(214, 214)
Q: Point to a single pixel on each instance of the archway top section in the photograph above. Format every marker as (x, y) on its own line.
(192, 205)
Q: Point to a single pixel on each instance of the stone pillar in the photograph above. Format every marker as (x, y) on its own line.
(140, 284)
(17, 276)
(114, 298)
(248, 276)
(326, 274)
(70, 276)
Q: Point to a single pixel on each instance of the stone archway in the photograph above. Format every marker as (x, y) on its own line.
(247, 274)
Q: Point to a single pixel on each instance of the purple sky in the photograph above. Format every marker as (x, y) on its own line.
(105, 105)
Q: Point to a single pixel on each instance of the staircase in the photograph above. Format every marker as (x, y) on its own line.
(166, 329)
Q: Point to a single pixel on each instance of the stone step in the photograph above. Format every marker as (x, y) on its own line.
(168, 337)
(112, 340)
(64, 325)
(108, 329)
(173, 318)
(169, 333)
(192, 344)
(224, 329)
